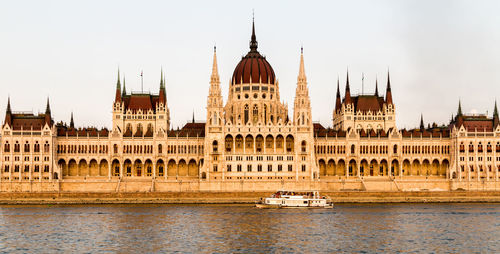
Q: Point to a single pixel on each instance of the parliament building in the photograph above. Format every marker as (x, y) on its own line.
(249, 140)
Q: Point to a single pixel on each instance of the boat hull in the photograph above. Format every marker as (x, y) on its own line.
(267, 206)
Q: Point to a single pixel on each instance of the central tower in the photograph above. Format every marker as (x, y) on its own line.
(254, 91)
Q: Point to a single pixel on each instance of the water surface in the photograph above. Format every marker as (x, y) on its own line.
(439, 228)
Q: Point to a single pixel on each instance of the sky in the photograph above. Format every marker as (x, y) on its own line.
(437, 52)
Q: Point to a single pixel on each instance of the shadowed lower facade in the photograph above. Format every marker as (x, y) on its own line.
(249, 142)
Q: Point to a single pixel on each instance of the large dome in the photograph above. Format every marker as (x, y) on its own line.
(253, 68)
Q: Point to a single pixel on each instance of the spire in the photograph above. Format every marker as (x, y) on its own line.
(302, 72)
(214, 93)
(47, 109)
(161, 79)
(9, 111)
(388, 93)
(459, 113)
(48, 118)
(496, 120)
(118, 97)
(338, 101)
(71, 122)
(118, 85)
(215, 72)
(163, 99)
(422, 122)
(124, 92)
(193, 115)
(376, 87)
(253, 41)
(347, 98)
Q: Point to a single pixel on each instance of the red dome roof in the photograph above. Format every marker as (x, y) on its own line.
(253, 66)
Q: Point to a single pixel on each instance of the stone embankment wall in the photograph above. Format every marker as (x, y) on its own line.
(113, 186)
(63, 198)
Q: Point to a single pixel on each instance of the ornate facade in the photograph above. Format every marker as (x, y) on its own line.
(250, 138)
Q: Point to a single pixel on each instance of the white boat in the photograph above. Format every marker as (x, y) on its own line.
(295, 199)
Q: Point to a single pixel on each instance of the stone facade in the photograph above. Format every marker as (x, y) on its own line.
(248, 143)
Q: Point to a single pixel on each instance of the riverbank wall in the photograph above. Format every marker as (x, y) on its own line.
(241, 197)
(106, 191)
(145, 185)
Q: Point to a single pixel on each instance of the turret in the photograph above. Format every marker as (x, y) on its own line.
(459, 120)
(388, 93)
(347, 98)
(162, 96)
(48, 118)
(338, 100)
(422, 126)
(302, 104)
(118, 95)
(8, 113)
(71, 121)
(496, 121)
(214, 100)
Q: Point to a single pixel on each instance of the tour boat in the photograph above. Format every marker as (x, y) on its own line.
(295, 199)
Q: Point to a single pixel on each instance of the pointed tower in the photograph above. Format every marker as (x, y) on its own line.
(388, 93)
(459, 119)
(71, 121)
(48, 118)
(302, 120)
(338, 99)
(8, 113)
(422, 126)
(163, 98)
(496, 121)
(376, 88)
(347, 98)
(459, 111)
(124, 92)
(214, 100)
(118, 95)
(302, 104)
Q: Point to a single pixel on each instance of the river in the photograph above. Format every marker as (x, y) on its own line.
(438, 228)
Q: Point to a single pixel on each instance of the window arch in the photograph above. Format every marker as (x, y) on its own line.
(395, 149)
(255, 113)
(303, 146)
(245, 114)
(160, 148)
(215, 146)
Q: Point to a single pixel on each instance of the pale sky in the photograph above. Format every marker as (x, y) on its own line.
(436, 51)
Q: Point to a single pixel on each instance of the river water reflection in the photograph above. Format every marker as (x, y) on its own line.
(425, 228)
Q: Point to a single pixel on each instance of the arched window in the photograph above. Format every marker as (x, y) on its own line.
(471, 148)
(115, 148)
(160, 149)
(6, 147)
(353, 149)
(488, 147)
(303, 146)
(215, 146)
(395, 149)
(17, 147)
(480, 147)
(46, 147)
(37, 147)
(255, 113)
(150, 128)
(265, 114)
(462, 147)
(27, 147)
(246, 114)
